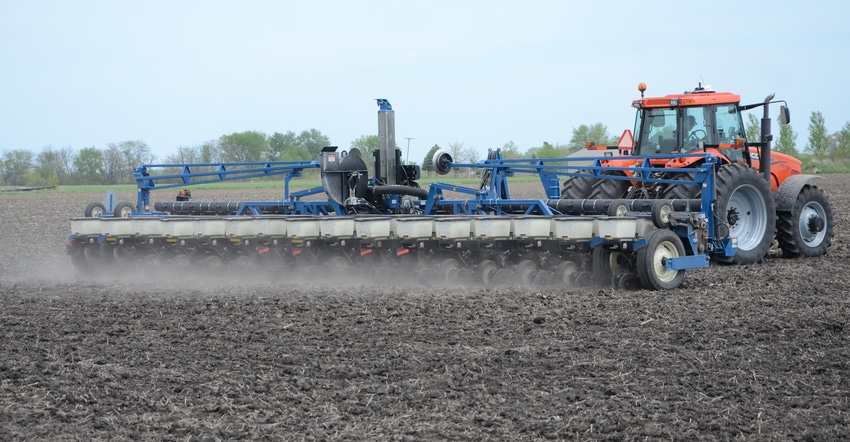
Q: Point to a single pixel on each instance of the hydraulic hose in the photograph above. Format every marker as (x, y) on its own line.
(399, 190)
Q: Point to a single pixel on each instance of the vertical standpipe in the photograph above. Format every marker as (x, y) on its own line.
(766, 138)
(386, 142)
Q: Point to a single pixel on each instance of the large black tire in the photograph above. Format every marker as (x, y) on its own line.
(610, 189)
(808, 229)
(681, 191)
(578, 187)
(745, 208)
(661, 245)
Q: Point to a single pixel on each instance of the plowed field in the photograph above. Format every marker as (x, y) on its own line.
(756, 352)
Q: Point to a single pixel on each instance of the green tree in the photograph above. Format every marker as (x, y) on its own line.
(787, 142)
(42, 176)
(184, 155)
(597, 133)
(88, 164)
(55, 163)
(818, 139)
(549, 151)
(210, 152)
(839, 143)
(428, 161)
(753, 129)
(510, 151)
(17, 165)
(135, 153)
(244, 147)
(367, 145)
(313, 141)
(114, 165)
(285, 147)
(461, 154)
(205, 153)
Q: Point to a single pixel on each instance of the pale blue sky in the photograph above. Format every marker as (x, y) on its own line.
(178, 73)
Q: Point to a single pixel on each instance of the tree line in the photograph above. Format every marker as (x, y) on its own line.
(115, 164)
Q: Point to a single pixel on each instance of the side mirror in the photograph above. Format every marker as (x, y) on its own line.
(784, 115)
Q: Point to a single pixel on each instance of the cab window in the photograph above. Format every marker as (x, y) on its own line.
(658, 131)
(728, 124)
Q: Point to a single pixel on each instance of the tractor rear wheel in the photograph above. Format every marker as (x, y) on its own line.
(578, 187)
(610, 189)
(745, 207)
(681, 191)
(808, 229)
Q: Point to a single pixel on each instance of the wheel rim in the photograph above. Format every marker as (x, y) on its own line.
(665, 251)
(810, 212)
(747, 217)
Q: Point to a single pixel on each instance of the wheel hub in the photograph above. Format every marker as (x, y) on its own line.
(732, 216)
(816, 224)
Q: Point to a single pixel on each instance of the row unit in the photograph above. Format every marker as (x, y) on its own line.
(369, 227)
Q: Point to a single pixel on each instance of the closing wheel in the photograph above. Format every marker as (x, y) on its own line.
(425, 275)
(600, 262)
(746, 206)
(661, 212)
(386, 274)
(525, 271)
(243, 263)
(808, 229)
(661, 245)
(151, 260)
(94, 210)
(338, 266)
(78, 258)
(543, 278)
(212, 264)
(628, 281)
(123, 210)
(487, 271)
(502, 277)
(566, 273)
(448, 269)
(607, 263)
(181, 261)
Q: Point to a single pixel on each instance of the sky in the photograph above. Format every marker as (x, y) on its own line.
(178, 73)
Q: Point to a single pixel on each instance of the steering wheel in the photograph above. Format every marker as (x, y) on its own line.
(695, 136)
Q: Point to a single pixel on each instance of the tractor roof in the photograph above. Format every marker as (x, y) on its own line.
(698, 97)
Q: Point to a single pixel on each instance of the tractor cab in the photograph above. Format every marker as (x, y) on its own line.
(684, 123)
(678, 127)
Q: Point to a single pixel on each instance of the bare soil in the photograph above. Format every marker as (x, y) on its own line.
(756, 352)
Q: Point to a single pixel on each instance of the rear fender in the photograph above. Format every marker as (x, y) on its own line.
(786, 194)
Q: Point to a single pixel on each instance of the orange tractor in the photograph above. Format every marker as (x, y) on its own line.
(760, 195)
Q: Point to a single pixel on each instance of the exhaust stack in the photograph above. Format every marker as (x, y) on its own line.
(385, 164)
